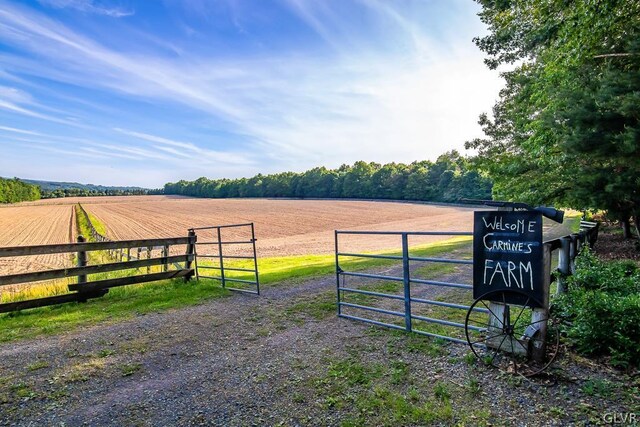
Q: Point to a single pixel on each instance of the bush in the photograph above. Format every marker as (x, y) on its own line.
(602, 309)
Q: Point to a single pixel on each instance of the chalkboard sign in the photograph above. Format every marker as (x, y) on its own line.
(507, 255)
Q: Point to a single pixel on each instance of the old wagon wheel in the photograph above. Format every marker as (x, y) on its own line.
(504, 335)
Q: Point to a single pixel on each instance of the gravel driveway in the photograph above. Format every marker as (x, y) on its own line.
(274, 360)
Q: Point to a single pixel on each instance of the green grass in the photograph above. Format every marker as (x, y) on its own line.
(118, 304)
(97, 224)
(84, 222)
(375, 394)
(83, 227)
(597, 387)
(37, 366)
(277, 269)
(129, 369)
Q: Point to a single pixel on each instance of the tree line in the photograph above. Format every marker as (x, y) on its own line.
(14, 190)
(448, 179)
(82, 192)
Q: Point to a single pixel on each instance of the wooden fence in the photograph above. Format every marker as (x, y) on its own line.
(83, 289)
(568, 248)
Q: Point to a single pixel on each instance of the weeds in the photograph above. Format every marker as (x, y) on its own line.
(37, 366)
(441, 391)
(597, 387)
(129, 369)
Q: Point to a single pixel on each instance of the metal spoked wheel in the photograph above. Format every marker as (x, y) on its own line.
(505, 336)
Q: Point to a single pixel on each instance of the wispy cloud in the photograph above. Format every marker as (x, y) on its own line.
(383, 88)
(190, 150)
(10, 106)
(22, 131)
(88, 6)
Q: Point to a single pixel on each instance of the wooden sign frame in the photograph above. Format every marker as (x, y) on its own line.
(508, 255)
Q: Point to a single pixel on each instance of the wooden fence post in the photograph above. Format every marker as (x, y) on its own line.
(191, 250)
(165, 254)
(82, 262)
(563, 264)
(573, 252)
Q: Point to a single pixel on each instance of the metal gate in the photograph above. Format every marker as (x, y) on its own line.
(409, 303)
(229, 250)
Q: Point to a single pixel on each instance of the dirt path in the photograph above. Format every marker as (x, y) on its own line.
(283, 358)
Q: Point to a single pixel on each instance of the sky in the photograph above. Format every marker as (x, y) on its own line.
(144, 92)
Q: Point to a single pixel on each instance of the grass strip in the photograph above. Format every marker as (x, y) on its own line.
(277, 269)
(119, 304)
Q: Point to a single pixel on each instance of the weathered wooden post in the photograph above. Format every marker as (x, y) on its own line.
(573, 252)
(563, 264)
(165, 254)
(594, 233)
(579, 242)
(148, 257)
(191, 250)
(82, 262)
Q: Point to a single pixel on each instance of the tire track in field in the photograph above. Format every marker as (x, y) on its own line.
(34, 225)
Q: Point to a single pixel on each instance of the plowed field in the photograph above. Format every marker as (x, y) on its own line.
(22, 225)
(283, 227)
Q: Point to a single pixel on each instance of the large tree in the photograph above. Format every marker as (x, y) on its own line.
(566, 128)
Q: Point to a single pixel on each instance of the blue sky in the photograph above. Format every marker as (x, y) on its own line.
(126, 92)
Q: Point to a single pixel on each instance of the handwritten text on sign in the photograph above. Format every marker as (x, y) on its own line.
(507, 254)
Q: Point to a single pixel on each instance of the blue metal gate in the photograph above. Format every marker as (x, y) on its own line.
(408, 296)
(231, 253)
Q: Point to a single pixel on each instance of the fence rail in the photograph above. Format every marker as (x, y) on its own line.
(90, 246)
(569, 247)
(83, 289)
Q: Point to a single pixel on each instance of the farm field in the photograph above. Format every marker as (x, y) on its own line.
(283, 227)
(22, 225)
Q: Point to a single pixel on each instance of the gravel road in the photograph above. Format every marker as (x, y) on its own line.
(246, 360)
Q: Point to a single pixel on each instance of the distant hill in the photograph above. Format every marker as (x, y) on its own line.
(53, 185)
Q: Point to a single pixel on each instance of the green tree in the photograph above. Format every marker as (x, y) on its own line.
(14, 190)
(567, 126)
(357, 181)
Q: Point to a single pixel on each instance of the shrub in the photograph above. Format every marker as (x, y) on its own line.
(602, 309)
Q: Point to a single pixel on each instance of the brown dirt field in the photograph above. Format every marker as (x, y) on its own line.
(283, 227)
(35, 225)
